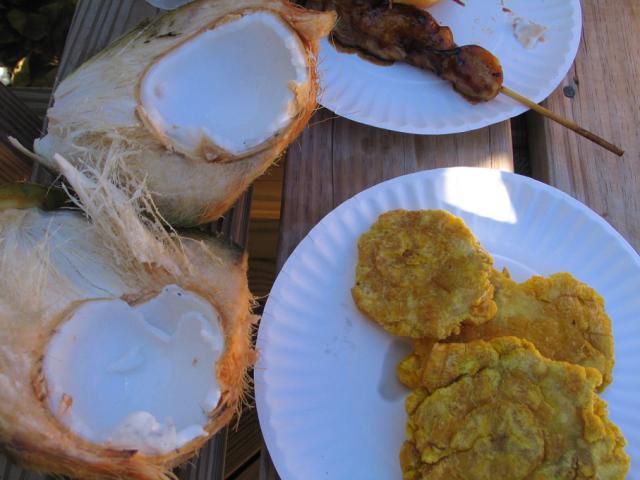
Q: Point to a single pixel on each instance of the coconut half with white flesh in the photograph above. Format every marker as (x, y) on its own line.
(123, 348)
(199, 102)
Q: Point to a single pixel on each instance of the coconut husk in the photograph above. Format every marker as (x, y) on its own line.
(97, 107)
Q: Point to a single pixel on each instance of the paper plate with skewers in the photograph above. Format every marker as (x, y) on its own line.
(391, 83)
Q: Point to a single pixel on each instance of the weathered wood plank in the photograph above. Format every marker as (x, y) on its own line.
(209, 464)
(21, 114)
(364, 156)
(602, 94)
(17, 121)
(267, 194)
(251, 471)
(35, 99)
(14, 167)
(307, 191)
(262, 247)
(335, 158)
(244, 446)
(96, 24)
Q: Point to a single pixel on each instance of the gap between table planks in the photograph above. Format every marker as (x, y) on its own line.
(95, 24)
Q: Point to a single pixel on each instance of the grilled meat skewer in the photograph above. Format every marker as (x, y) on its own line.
(395, 32)
(473, 70)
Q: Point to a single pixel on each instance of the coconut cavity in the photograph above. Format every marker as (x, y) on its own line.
(138, 376)
(228, 90)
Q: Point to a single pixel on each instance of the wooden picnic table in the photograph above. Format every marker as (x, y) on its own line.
(335, 158)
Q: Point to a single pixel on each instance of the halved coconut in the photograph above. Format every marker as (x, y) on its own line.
(123, 348)
(199, 102)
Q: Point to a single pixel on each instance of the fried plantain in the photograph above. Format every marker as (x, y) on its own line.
(499, 410)
(563, 317)
(422, 274)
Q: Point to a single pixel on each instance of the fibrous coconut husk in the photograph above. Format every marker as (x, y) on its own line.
(98, 105)
(57, 260)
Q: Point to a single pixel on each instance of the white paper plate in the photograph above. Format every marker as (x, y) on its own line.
(405, 99)
(329, 404)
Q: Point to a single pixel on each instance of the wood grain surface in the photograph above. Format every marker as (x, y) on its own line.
(251, 472)
(601, 93)
(21, 116)
(36, 99)
(21, 123)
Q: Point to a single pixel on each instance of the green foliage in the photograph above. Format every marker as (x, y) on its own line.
(32, 35)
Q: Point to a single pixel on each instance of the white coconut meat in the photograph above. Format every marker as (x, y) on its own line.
(123, 345)
(136, 377)
(228, 90)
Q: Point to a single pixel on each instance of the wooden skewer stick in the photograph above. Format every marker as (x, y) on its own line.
(563, 121)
